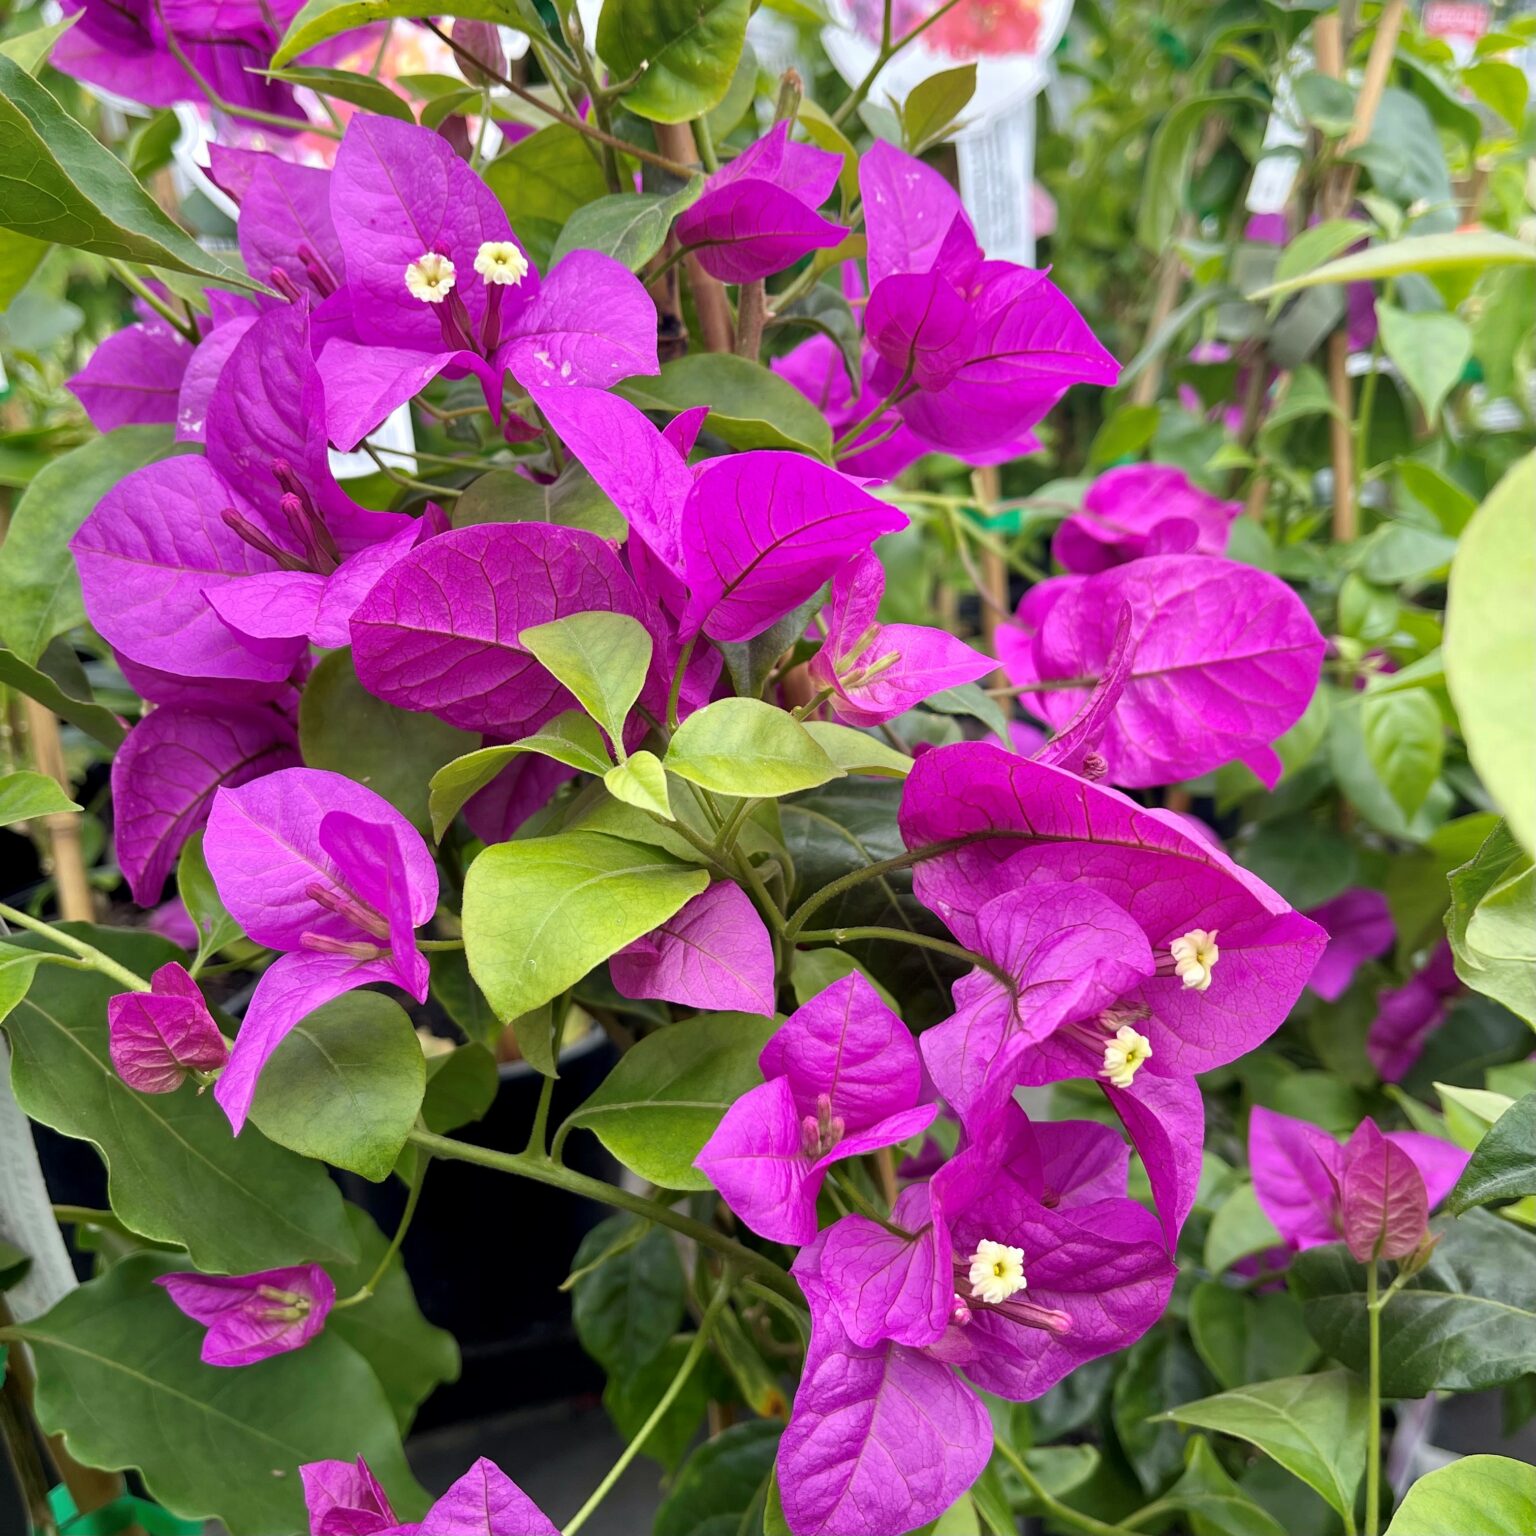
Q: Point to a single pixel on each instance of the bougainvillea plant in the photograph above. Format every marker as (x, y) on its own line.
(548, 583)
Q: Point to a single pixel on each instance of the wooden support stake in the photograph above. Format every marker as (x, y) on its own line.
(62, 830)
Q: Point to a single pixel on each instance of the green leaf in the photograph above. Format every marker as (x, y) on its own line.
(1429, 347)
(1465, 1322)
(322, 20)
(541, 912)
(455, 989)
(663, 1100)
(32, 49)
(1501, 85)
(747, 747)
(60, 184)
(1492, 923)
(630, 1304)
(393, 751)
(973, 700)
(1168, 162)
(210, 1443)
(601, 657)
(1160, 1367)
(573, 500)
(631, 227)
(1474, 1493)
(750, 406)
(1325, 102)
(1123, 435)
(1470, 1113)
(1322, 242)
(570, 738)
(640, 781)
(39, 589)
(175, 1174)
(1216, 1506)
(40, 684)
(685, 51)
(1405, 740)
(534, 1032)
(1415, 253)
(194, 884)
(631, 1398)
(408, 1354)
(345, 85)
(1504, 1165)
(721, 1482)
(1244, 1338)
(25, 795)
(345, 1085)
(825, 310)
(541, 181)
(153, 143)
(855, 752)
(1314, 1426)
(20, 257)
(461, 1086)
(932, 105)
(1490, 644)
(17, 967)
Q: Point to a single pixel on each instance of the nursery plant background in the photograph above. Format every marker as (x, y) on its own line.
(1022, 784)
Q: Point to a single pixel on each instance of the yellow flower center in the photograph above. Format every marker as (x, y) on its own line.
(430, 277)
(1124, 1052)
(1194, 958)
(500, 262)
(997, 1272)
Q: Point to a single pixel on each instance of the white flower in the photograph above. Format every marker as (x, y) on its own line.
(1123, 1054)
(430, 277)
(1194, 958)
(997, 1272)
(500, 261)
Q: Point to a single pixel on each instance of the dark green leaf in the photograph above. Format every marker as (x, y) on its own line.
(1243, 1337)
(39, 683)
(541, 181)
(631, 227)
(630, 1305)
(60, 184)
(462, 1000)
(932, 105)
(721, 1479)
(631, 1398)
(750, 406)
(322, 20)
(119, 1376)
(1465, 1322)
(1405, 741)
(663, 1100)
(461, 1086)
(1504, 1165)
(345, 85)
(1216, 1506)
(345, 1085)
(1159, 1368)
(685, 52)
(1492, 923)
(573, 500)
(194, 884)
(395, 752)
(176, 1174)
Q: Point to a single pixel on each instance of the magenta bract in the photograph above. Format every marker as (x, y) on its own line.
(1139, 510)
(253, 1317)
(157, 1038)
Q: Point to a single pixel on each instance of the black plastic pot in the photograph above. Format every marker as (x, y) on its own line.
(487, 1251)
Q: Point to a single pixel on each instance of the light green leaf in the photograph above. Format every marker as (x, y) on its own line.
(175, 1173)
(1492, 923)
(1470, 1113)
(17, 967)
(570, 738)
(932, 105)
(1429, 348)
(24, 796)
(855, 752)
(1123, 435)
(209, 1442)
(631, 227)
(345, 85)
(31, 49)
(1501, 85)
(20, 257)
(322, 20)
(1322, 242)
(1314, 1426)
(1405, 740)
(601, 657)
(1490, 645)
(640, 781)
(39, 589)
(1414, 253)
(58, 183)
(393, 751)
(1475, 1493)
(345, 1085)
(750, 406)
(663, 1100)
(684, 50)
(747, 747)
(541, 912)
(194, 884)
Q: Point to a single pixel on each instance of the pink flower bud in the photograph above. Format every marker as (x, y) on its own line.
(1383, 1204)
(156, 1038)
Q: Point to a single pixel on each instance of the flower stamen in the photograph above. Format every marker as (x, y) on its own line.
(1194, 957)
(996, 1272)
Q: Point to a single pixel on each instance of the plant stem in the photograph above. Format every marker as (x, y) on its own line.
(543, 1171)
(1052, 1505)
(661, 162)
(918, 940)
(863, 425)
(675, 693)
(888, 51)
(1373, 1306)
(428, 946)
(98, 961)
(411, 1200)
(141, 290)
(684, 1371)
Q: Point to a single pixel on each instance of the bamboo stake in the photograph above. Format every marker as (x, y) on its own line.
(62, 829)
